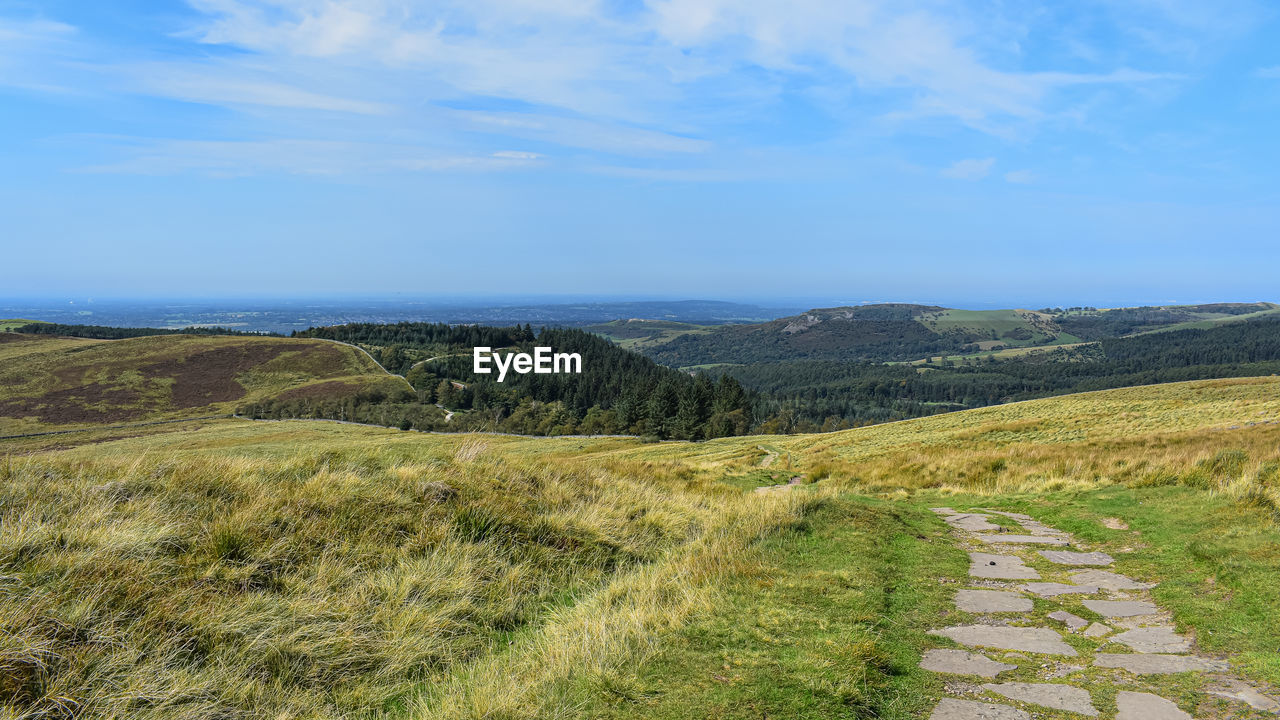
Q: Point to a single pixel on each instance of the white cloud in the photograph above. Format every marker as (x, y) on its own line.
(215, 86)
(575, 132)
(970, 169)
(1020, 177)
(655, 78)
(296, 157)
(1270, 73)
(576, 55)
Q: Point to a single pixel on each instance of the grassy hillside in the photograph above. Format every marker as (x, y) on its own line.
(318, 570)
(989, 328)
(9, 325)
(294, 569)
(897, 332)
(52, 382)
(1095, 324)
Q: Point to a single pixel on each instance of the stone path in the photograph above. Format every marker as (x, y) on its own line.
(1058, 636)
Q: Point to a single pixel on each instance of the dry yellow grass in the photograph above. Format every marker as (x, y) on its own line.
(288, 570)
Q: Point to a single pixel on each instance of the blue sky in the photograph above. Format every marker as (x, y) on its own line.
(981, 153)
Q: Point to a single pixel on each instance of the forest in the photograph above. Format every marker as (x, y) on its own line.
(617, 392)
(804, 396)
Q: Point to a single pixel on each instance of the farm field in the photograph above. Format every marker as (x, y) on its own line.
(1016, 328)
(638, 334)
(315, 569)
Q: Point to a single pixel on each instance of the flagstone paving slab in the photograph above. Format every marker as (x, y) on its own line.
(1036, 528)
(992, 601)
(1000, 567)
(1120, 608)
(1067, 557)
(1049, 589)
(1233, 689)
(1159, 639)
(1051, 695)
(944, 511)
(1145, 706)
(953, 709)
(960, 662)
(1075, 622)
(971, 522)
(1011, 515)
(1108, 580)
(1097, 630)
(1144, 664)
(1027, 639)
(1010, 539)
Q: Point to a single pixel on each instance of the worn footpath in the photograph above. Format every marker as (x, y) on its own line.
(1046, 628)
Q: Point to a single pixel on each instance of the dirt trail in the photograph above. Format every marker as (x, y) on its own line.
(767, 461)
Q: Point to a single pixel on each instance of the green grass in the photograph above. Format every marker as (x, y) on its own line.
(1217, 560)
(1007, 353)
(11, 324)
(1010, 327)
(831, 625)
(1211, 320)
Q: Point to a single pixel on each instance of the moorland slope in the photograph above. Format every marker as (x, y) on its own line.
(54, 383)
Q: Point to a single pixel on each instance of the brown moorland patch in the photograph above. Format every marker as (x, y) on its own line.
(326, 389)
(209, 376)
(156, 377)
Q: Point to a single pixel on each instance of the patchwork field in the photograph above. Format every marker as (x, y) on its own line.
(307, 569)
(55, 383)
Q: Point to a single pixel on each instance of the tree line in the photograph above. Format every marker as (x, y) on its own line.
(811, 395)
(617, 392)
(104, 332)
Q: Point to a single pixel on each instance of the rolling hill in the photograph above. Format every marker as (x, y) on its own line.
(313, 570)
(900, 332)
(55, 383)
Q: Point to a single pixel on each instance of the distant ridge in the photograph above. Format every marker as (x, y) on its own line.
(903, 332)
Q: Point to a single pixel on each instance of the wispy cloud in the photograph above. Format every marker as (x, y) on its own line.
(213, 85)
(578, 56)
(296, 157)
(1270, 73)
(655, 78)
(580, 133)
(1020, 177)
(970, 169)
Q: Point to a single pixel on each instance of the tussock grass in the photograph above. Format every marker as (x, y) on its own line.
(339, 579)
(594, 645)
